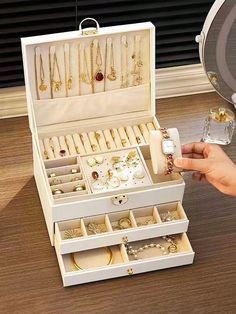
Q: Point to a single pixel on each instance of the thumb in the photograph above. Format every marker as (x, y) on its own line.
(192, 164)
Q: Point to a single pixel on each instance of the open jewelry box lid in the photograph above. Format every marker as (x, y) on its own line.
(49, 110)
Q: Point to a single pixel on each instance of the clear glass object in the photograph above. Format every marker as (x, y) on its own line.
(219, 126)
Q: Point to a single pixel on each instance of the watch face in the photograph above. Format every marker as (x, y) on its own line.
(168, 147)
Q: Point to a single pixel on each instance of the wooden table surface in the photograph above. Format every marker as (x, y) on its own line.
(30, 280)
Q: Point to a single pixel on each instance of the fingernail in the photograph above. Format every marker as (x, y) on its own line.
(178, 162)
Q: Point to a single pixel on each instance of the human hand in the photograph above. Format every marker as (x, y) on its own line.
(210, 163)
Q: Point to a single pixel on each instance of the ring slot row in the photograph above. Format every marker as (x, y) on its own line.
(66, 178)
(79, 187)
(98, 141)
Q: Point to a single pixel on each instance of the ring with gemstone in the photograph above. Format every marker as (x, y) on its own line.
(62, 153)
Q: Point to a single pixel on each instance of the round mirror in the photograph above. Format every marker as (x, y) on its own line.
(217, 47)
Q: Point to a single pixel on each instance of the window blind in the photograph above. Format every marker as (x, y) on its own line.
(177, 23)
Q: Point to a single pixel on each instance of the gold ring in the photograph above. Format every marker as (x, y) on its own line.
(77, 149)
(138, 139)
(97, 136)
(78, 188)
(124, 223)
(94, 147)
(110, 173)
(80, 268)
(108, 144)
(46, 154)
(75, 179)
(56, 181)
(73, 171)
(57, 192)
(123, 141)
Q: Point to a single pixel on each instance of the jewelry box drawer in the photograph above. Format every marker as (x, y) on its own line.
(119, 227)
(116, 261)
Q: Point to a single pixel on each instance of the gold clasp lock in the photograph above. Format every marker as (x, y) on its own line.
(130, 271)
(89, 30)
(125, 240)
(119, 199)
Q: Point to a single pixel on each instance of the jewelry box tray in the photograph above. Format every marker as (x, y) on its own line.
(122, 263)
(143, 223)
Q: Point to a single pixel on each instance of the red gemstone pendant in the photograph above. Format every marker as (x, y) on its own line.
(99, 76)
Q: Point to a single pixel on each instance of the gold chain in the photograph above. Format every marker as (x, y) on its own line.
(112, 75)
(84, 76)
(42, 85)
(56, 83)
(98, 74)
(124, 77)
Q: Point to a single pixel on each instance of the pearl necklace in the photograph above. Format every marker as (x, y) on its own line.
(172, 248)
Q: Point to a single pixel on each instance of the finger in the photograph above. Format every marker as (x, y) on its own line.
(201, 165)
(193, 155)
(196, 147)
(198, 176)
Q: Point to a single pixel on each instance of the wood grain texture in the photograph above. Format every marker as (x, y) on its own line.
(30, 280)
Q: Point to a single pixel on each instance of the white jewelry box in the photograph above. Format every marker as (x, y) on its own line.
(58, 115)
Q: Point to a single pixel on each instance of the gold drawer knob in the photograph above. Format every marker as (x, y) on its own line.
(130, 271)
(125, 239)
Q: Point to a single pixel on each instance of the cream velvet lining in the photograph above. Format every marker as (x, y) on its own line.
(132, 99)
(91, 258)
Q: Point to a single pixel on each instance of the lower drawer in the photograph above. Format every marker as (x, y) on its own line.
(124, 259)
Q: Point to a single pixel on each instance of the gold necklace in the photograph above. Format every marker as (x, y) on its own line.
(124, 77)
(98, 74)
(69, 77)
(84, 76)
(112, 75)
(137, 78)
(56, 83)
(42, 85)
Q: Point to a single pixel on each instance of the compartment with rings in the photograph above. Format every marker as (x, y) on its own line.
(113, 228)
(125, 259)
(120, 169)
(66, 177)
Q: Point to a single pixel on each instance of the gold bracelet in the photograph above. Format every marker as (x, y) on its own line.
(76, 265)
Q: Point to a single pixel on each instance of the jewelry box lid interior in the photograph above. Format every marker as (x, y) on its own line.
(84, 75)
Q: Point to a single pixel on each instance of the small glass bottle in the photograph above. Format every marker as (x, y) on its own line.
(219, 126)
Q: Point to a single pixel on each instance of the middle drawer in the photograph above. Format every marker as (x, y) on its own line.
(117, 227)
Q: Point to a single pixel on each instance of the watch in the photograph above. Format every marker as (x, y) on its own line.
(168, 149)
